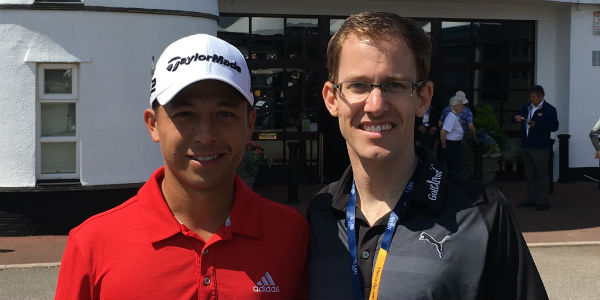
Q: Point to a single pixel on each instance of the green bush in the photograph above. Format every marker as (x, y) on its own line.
(484, 119)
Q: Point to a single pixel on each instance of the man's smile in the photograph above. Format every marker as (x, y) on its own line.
(206, 158)
(377, 127)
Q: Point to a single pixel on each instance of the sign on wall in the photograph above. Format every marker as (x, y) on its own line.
(597, 22)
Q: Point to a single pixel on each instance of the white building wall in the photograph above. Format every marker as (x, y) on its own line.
(17, 102)
(584, 107)
(115, 51)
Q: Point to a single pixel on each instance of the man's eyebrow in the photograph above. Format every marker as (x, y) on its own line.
(397, 77)
(178, 104)
(230, 103)
(391, 77)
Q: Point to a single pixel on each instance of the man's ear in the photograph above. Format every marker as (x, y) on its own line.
(424, 97)
(150, 120)
(329, 98)
(251, 121)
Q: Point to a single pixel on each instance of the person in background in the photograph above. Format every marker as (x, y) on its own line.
(398, 225)
(538, 119)
(451, 135)
(465, 116)
(594, 135)
(195, 230)
(427, 133)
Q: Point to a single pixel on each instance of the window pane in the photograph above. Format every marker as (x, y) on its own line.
(234, 25)
(426, 25)
(268, 92)
(302, 27)
(493, 98)
(455, 43)
(58, 119)
(334, 25)
(301, 36)
(520, 79)
(521, 35)
(267, 26)
(453, 80)
(490, 78)
(516, 100)
(58, 158)
(267, 49)
(58, 81)
(490, 45)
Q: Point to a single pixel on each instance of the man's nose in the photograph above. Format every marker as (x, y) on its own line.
(204, 131)
(375, 103)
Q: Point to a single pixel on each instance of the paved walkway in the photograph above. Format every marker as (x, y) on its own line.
(573, 218)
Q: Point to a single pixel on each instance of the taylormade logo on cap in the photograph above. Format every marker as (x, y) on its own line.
(199, 57)
(215, 58)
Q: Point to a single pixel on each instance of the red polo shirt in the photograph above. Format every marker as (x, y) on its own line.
(138, 250)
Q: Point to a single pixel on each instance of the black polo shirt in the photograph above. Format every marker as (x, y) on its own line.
(455, 239)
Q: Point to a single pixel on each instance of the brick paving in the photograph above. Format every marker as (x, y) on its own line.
(574, 216)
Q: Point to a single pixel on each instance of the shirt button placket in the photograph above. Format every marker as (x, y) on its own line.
(208, 280)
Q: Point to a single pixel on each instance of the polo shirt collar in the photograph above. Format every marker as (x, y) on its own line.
(162, 224)
(158, 219)
(246, 216)
(431, 185)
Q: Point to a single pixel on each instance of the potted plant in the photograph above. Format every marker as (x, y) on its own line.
(253, 158)
(490, 143)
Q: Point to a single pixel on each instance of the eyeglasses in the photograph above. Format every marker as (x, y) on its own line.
(357, 91)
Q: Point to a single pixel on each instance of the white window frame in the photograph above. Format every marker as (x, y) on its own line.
(57, 98)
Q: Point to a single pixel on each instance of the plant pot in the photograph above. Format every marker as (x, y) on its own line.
(489, 166)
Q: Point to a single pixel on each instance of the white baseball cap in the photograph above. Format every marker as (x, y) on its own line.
(460, 97)
(199, 57)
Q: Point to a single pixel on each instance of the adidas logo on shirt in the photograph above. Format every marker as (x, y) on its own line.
(266, 285)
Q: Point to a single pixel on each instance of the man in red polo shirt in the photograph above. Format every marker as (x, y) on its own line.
(194, 230)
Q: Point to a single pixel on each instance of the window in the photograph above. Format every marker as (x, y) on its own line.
(57, 156)
(58, 1)
(492, 62)
(595, 58)
(284, 55)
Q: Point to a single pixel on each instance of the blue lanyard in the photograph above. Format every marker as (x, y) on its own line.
(387, 236)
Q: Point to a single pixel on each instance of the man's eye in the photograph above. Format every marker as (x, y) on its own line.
(182, 114)
(396, 86)
(226, 114)
(358, 86)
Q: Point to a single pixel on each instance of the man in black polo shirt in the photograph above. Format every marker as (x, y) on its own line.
(396, 225)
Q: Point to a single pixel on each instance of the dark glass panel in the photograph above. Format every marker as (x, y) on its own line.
(453, 80)
(520, 79)
(516, 100)
(58, 81)
(268, 100)
(455, 43)
(490, 79)
(490, 45)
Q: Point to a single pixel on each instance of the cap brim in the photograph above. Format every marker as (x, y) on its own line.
(170, 92)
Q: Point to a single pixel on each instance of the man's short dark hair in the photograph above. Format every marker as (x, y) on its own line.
(537, 89)
(382, 26)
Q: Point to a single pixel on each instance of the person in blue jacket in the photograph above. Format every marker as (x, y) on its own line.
(538, 119)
